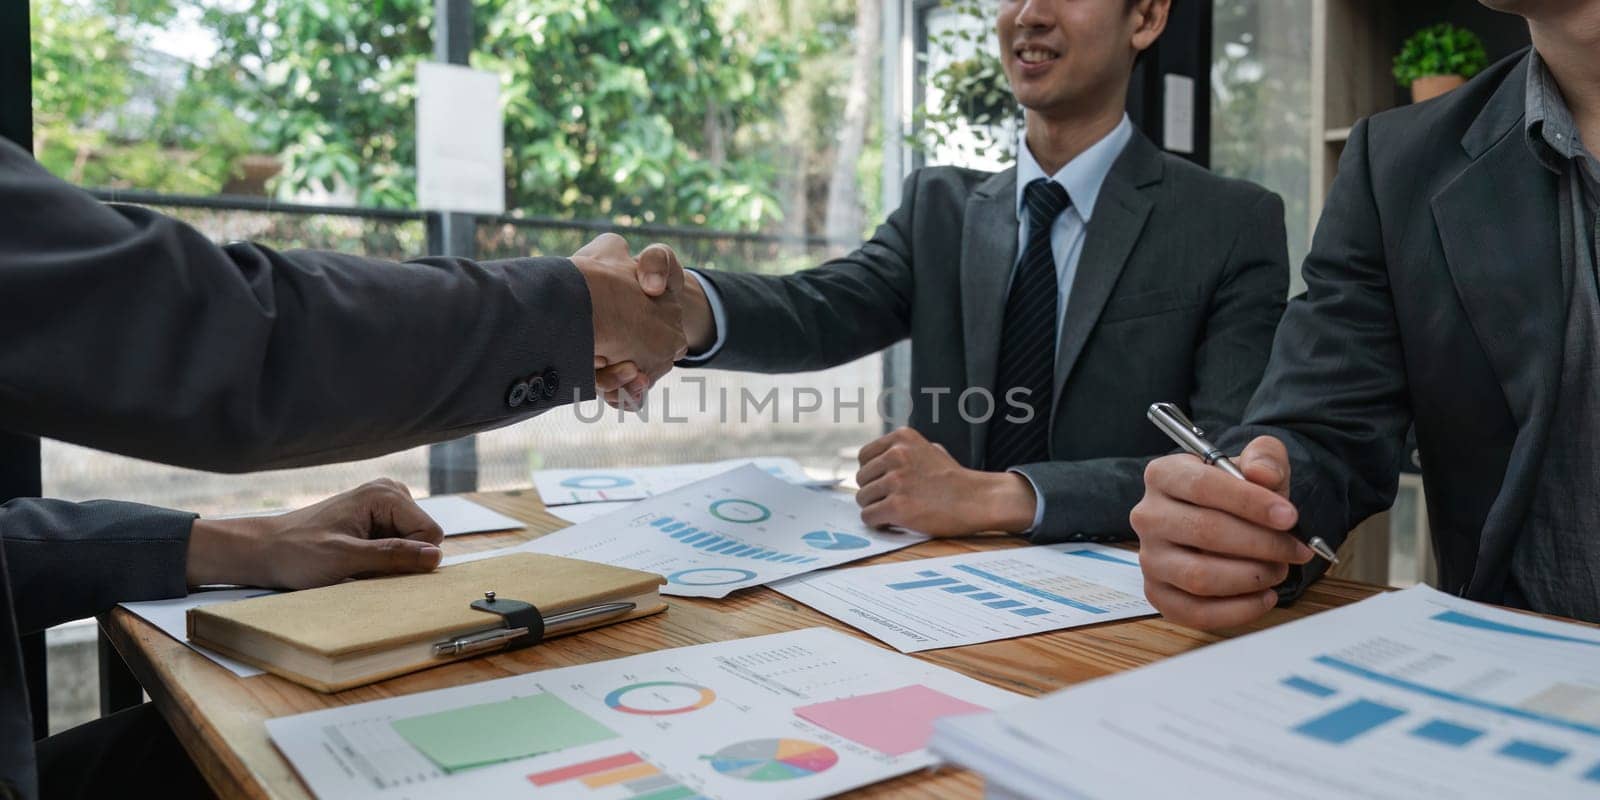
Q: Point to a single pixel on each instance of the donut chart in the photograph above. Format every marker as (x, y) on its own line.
(660, 698)
(710, 576)
(744, 512)
(597, 482)
(770, 760)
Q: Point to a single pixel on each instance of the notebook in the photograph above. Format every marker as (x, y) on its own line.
(358, 632)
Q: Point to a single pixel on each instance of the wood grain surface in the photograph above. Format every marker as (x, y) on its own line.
(220, 717)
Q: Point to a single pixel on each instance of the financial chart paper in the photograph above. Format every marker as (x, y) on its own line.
(711, 721)
(979, 597)
(732, 531)
(1405, 695)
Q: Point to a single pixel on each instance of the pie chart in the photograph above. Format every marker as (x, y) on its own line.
(834, 540)
(768, 760)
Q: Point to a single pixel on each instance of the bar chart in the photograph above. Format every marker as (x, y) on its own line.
(723, 543)
(624, 776)
(965, 599)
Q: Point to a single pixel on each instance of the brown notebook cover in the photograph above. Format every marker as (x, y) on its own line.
(365, 631)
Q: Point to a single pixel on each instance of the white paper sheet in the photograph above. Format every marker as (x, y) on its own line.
(460, 140)
(583, 512)
(171, 617)
(718, 719)
(732, 531)
(1414, 694)
(558, 487)
(979, 597)
(456, 515)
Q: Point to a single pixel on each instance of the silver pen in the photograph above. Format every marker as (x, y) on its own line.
(1180, 429)
(553, 624)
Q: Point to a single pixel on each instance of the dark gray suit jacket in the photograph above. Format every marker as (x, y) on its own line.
(1181, 281)
(1434, 295)
(127, 331)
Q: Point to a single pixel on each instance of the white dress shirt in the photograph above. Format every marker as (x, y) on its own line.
(1082, 177)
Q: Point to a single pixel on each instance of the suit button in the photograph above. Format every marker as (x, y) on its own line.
(518, 394)
(552, 384)
(535, 388)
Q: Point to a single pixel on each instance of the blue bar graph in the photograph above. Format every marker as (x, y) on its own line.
(1533, 753)
(1030, 590)
(1308, 686)
(1099, 556)
(1447, 733)
(1453, 697)
(1348, 721)
(686, 533)
(932, 579)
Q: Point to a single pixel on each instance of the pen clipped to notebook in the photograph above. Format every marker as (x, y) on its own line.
(1188, 436)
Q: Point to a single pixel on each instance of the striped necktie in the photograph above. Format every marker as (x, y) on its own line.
(1028, 338)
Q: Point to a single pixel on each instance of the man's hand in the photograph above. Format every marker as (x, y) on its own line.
(643, 327)
(372, 530)
(908, 482)
(623, 385)
(1213, 546)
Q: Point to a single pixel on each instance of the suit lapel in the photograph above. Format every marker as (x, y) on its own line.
(1119, 218)
(988, 252)
(1499, 226)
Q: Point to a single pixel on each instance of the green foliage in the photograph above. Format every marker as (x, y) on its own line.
(642, 110)
(974, 95)
(90, 65)
(1442, 49)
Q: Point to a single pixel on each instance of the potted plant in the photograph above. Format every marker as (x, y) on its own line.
(1437, 59)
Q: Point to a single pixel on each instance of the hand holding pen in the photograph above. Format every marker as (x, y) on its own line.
(1213, 546)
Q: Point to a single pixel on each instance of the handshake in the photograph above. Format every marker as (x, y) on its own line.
(646, 315)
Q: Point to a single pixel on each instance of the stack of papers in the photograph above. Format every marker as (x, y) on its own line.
(732, 531)
(1404, 695)
(791, 716)
(559, 487)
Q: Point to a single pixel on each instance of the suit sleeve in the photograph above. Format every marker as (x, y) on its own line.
(1091, 499)
(66, 561)
(825, 316)
(128, 331)
(1335, 387)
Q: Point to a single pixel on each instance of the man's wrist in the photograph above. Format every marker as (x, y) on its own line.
(1008, 502)
(224, 551)
(699, 327)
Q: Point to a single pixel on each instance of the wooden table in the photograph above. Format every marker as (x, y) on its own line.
(219, 717)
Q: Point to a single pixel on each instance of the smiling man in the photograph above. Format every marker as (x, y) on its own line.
(1048, 304)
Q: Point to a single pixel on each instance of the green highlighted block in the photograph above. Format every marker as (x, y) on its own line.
(476, 736)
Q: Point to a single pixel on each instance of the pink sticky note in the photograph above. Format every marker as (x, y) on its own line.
(894, 722)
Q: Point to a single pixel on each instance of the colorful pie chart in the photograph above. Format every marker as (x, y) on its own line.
(768, 760)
